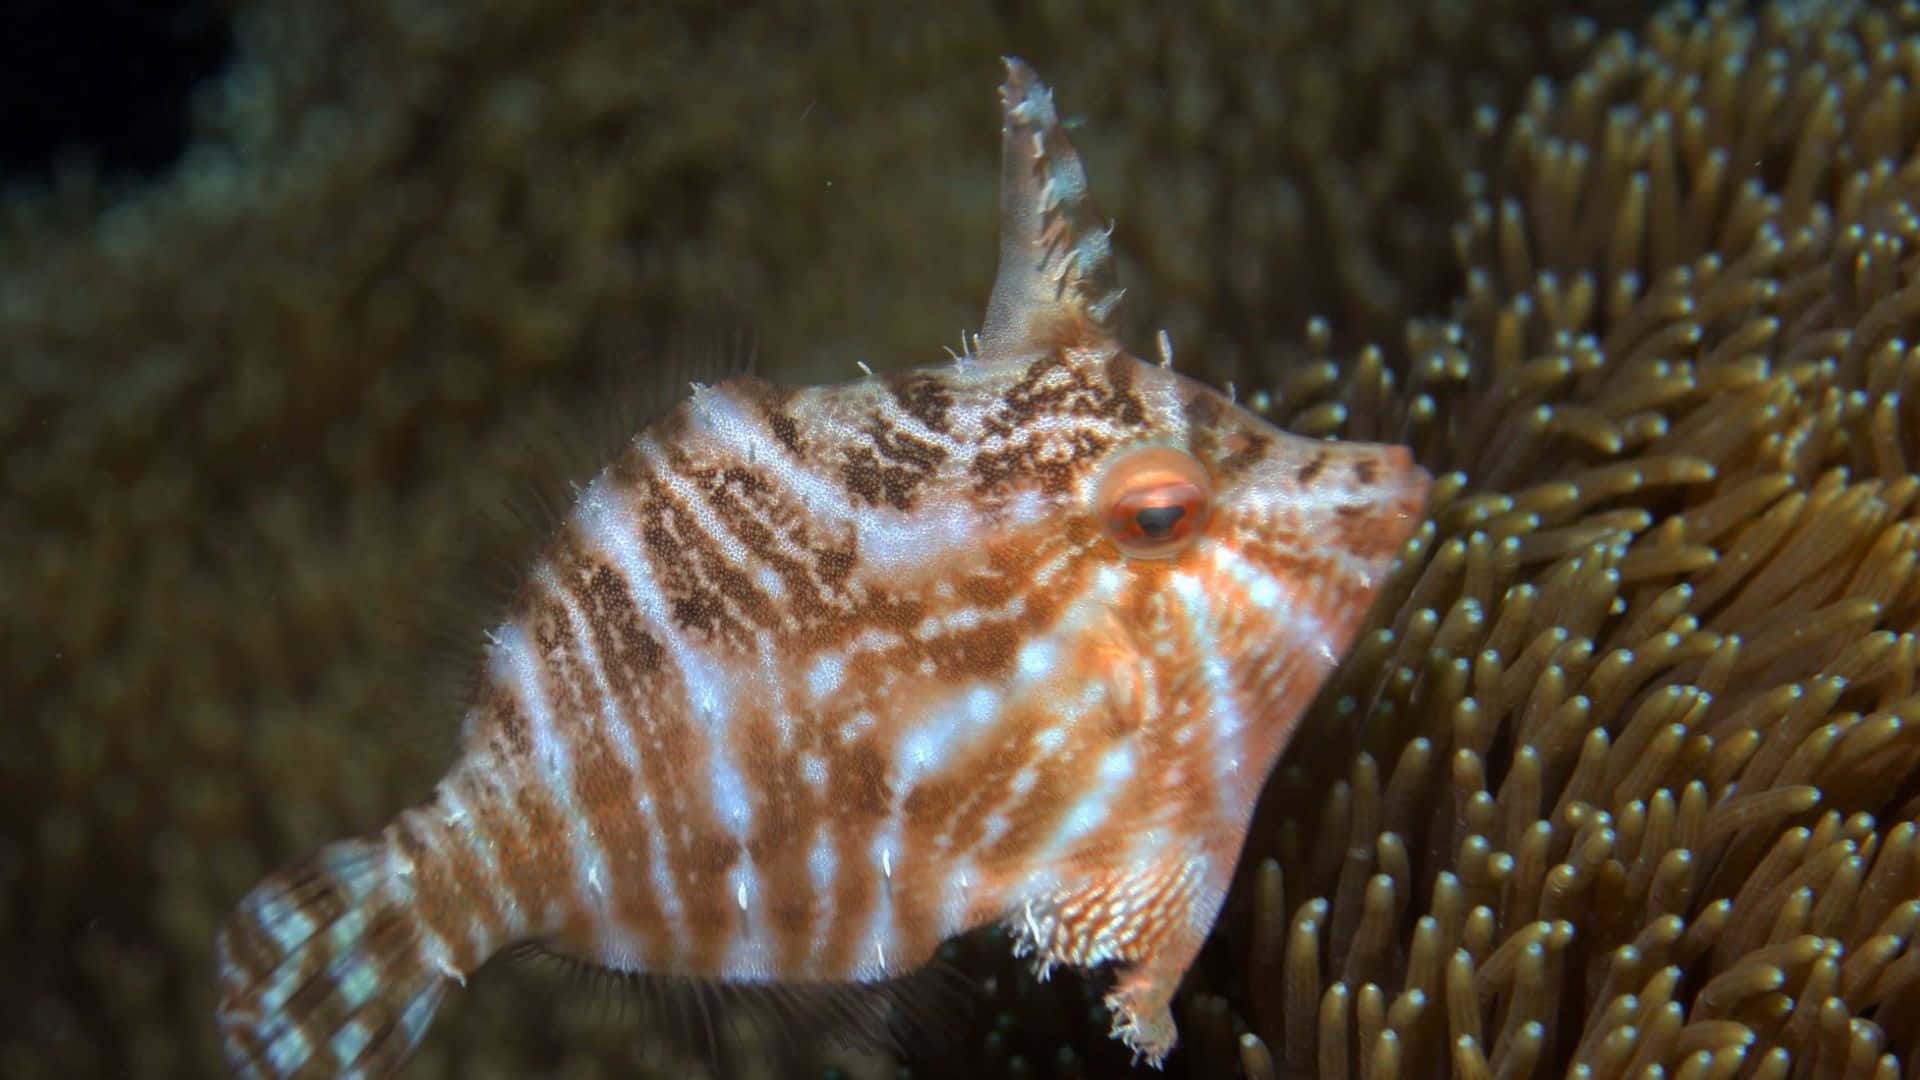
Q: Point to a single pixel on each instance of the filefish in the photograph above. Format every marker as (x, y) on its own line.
(810, 679)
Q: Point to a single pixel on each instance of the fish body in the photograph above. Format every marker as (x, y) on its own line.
(813, 678)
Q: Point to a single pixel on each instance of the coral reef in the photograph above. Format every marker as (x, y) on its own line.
(1653, 661)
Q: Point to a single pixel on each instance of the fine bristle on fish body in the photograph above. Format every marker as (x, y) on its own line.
(811, 679)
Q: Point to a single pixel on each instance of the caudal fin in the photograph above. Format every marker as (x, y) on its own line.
(322, 970)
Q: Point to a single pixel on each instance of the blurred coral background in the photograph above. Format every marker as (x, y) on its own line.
(1624, 777)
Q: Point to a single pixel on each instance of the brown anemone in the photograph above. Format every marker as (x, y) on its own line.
(1629, 766)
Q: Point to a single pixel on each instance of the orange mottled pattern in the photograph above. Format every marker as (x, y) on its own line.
(814, 678)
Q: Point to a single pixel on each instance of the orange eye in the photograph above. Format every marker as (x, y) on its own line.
(1153, 502)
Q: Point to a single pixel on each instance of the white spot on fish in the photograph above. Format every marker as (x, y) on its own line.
(825, 675)
(821, 861)
(730, 796)
(1085, 817)
(858, 725)
(995, 827)
(349, 1041)
(1264, 593)
(982, 706)
(1038, 657)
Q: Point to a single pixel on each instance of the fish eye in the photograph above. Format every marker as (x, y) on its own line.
(1153, 502)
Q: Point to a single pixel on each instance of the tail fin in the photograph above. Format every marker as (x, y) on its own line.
(322, 969)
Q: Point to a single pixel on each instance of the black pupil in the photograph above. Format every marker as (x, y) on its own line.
(1157, 522)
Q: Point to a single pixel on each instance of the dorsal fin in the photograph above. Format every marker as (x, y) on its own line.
(1055, 259)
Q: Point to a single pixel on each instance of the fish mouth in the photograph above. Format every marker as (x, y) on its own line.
(1416, 483)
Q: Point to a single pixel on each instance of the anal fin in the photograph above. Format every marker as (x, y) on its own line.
(1150, 919)
(700, 1025)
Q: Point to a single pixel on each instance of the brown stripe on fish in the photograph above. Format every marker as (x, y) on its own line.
(1036, 461)
(786, 806)
(672, 739)
(1020, 451)
(680, 555)
(444, 891)
(569, 765)
(661, 907)
(945, 815)
(472, 893)
(614, 668)
(701, 850)
(678, 489)
(860, 803)
(503, 828)
(535, 868)
(499, 723)
(1060, 384)
(772, 403)
(703, 866)
(872, 482)
(926, 396)
(1211, 434)
(767, 520)
(1063, 754)
(1305, 474)
(983, 790)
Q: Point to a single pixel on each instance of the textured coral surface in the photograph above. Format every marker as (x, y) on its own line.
(1629, 774)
